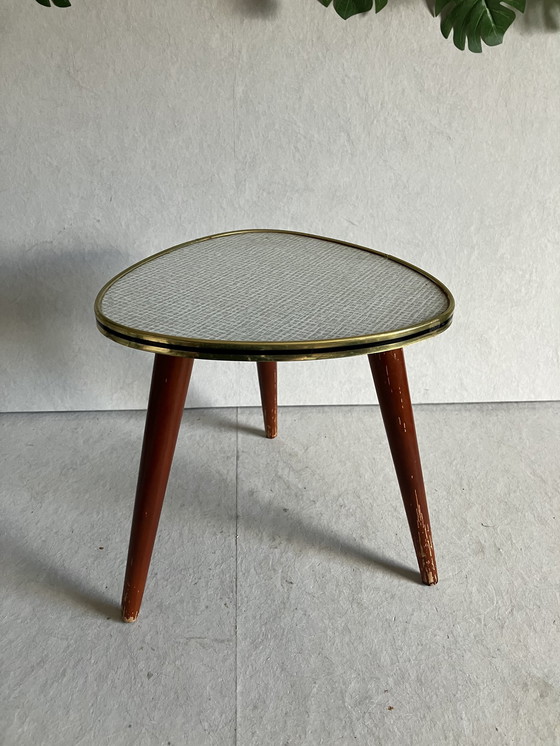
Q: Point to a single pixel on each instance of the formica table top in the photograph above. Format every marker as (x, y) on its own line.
(271, 295)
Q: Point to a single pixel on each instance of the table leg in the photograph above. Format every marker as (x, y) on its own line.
(389, 375)
(267, 384)
(170, 381)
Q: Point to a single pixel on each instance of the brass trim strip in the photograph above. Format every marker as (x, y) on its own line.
(222, 353)
(262, 350)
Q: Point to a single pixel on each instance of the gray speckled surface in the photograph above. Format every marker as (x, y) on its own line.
(310, 628)
(273, 287)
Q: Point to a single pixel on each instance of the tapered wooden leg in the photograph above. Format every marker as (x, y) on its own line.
(267, 384)
(170, 381)
(389, 375)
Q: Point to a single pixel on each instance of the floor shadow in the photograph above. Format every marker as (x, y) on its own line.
(278, 522)
(28, 565)
(37, 573)
(216, 419)
(281, 523)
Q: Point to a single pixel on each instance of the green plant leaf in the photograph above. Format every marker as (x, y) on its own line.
(58, 3)
(473, 22)
(477, 21)
(347, 8)
(455, 21)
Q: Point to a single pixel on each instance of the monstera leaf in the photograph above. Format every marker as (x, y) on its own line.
(472, 21)
(58, 3)
(477, 21)
(347, 8)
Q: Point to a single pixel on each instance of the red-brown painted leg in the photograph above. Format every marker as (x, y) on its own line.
(267, 384)
(389, 375)
(170, 381)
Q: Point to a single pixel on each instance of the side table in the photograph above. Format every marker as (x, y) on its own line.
(265, 296)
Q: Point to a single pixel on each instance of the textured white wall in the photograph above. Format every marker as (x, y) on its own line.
(128, 127)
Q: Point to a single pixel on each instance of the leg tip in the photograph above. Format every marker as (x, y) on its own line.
(430, 578)
(127, 617)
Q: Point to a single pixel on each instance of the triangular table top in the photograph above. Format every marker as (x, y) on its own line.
(271, 295)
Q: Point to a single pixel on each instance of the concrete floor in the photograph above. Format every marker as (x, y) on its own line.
(301, 620)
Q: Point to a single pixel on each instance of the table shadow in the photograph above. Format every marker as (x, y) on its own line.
(29, 565)
(217, 419)
(279, 523)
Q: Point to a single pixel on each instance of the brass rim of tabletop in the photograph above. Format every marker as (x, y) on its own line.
(212, 349)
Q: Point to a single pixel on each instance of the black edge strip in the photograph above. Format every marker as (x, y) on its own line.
(240, 351)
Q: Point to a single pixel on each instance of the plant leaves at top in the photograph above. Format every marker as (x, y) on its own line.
(58, 3)
(347, 8)
(477, 21)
